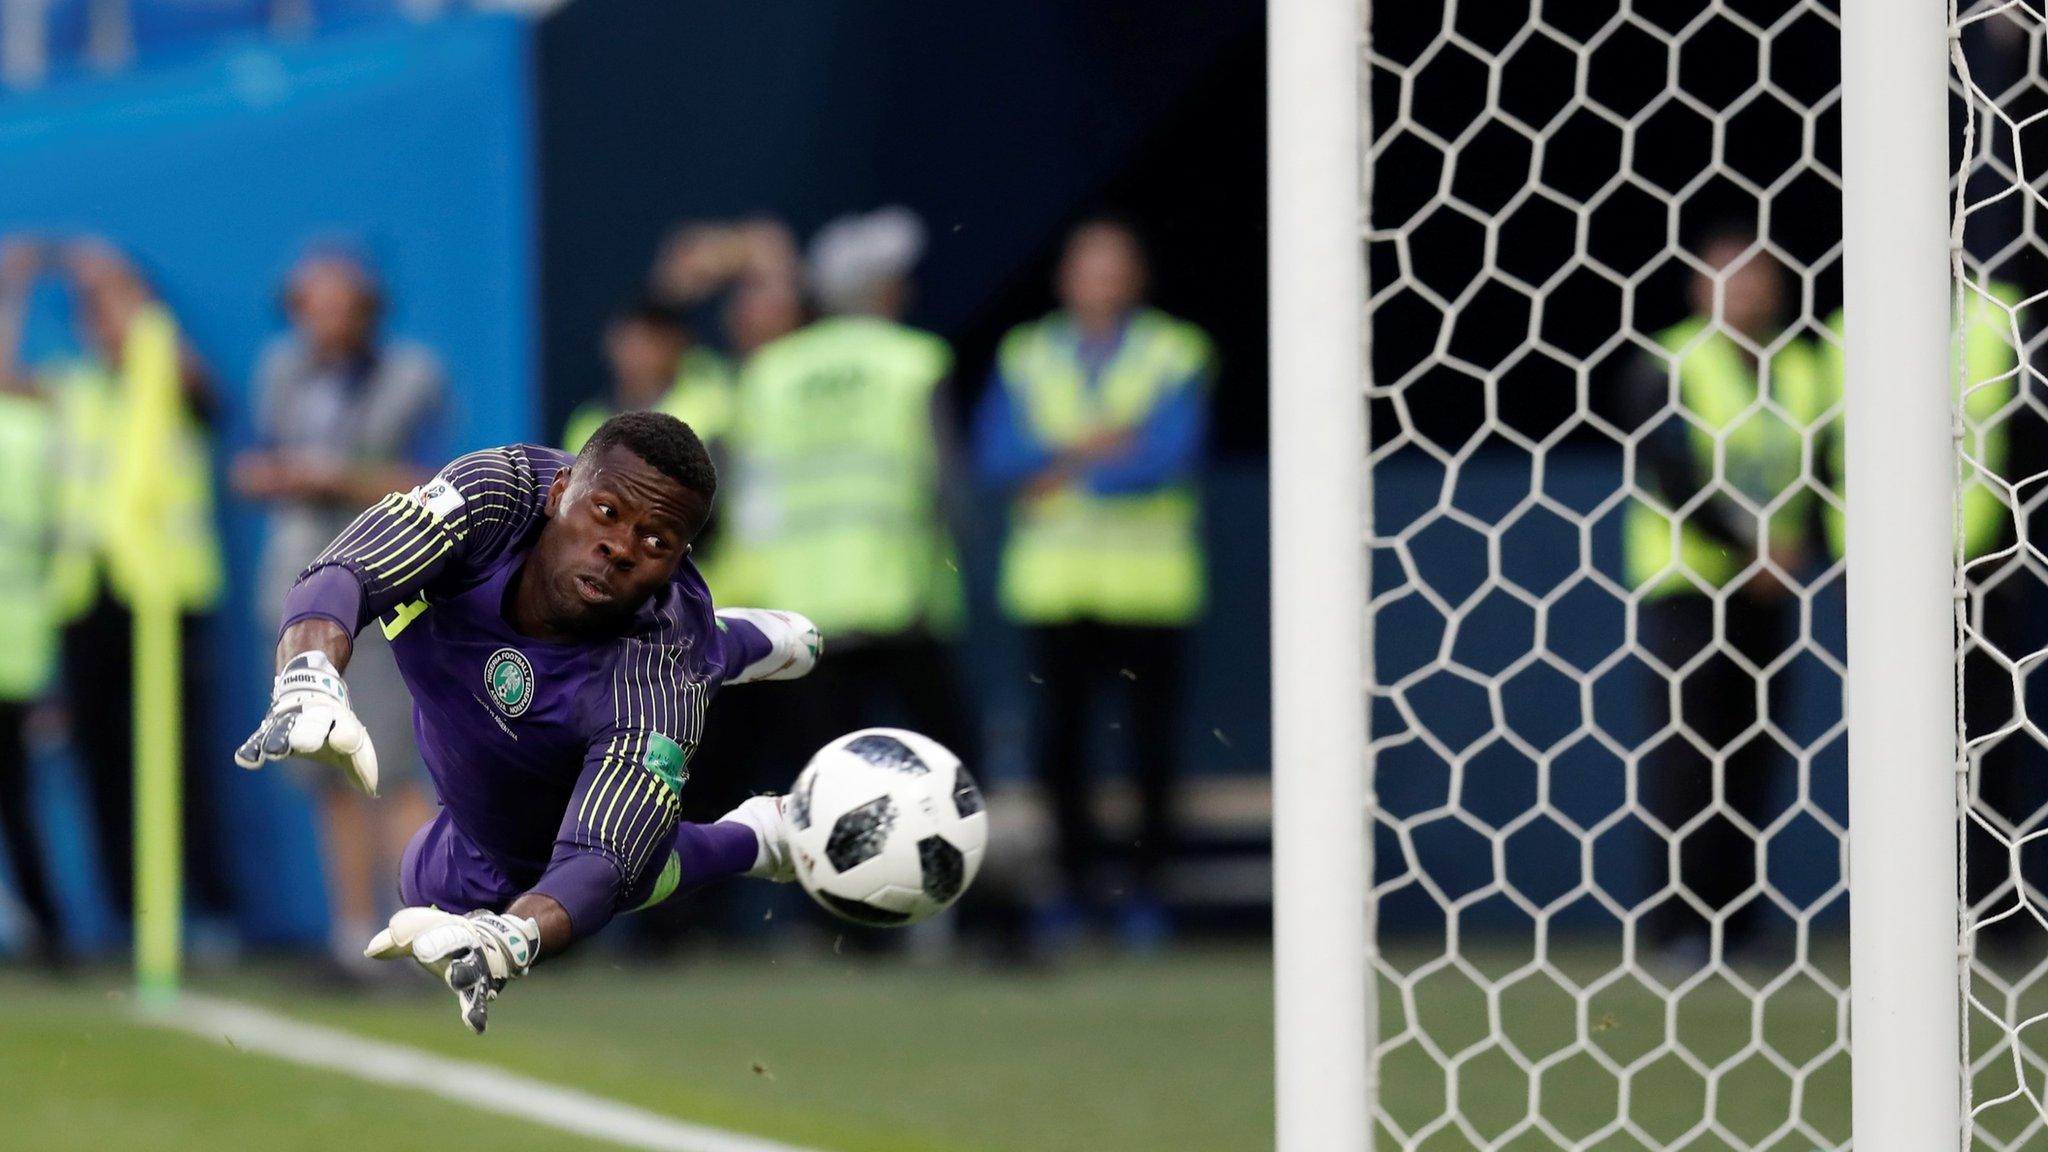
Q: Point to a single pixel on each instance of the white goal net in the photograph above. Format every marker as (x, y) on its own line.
(2000, 112)
(1610, 852)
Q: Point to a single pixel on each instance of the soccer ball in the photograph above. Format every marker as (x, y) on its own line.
(887, 827)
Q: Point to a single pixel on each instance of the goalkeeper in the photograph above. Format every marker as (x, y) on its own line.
(561, 650)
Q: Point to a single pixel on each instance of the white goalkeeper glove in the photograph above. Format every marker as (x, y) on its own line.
(474, 955)
(309, 716)
(794, 644)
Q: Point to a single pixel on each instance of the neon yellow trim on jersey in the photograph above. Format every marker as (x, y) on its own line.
(402, 617)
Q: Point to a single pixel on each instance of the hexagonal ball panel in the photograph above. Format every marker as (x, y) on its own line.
(966, 795)
(860, 834)
(888, 752)
(943, 867)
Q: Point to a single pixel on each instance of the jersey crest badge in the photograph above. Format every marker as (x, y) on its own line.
(509, 677)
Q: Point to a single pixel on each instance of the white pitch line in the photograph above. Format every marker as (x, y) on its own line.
(466, 1082)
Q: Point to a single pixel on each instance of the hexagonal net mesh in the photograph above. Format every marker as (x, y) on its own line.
(1999, 101)
(1607, 590)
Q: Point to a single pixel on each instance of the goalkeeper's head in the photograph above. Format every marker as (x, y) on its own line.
(620, 520)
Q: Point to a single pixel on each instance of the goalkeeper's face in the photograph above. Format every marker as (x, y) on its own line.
(616, 533)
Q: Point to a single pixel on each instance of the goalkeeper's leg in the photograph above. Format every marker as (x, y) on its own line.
(751, 840)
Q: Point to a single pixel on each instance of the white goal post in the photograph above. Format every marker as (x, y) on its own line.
(1315, 188)
(1511, 246)
(1903, 861)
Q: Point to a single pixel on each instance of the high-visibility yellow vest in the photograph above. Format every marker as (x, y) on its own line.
(701, 397)
(1991, 381)
(1751, 443)
(835, 509)
(27, 435)
(135, 480)
(1073, 555)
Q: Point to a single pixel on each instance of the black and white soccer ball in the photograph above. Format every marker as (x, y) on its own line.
(887, 827)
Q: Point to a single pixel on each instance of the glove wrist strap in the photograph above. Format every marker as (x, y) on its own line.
(518, 939)
(310, 672)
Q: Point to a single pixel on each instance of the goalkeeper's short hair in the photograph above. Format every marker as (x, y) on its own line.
(668, 445)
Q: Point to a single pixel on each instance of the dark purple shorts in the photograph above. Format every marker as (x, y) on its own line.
(442, 868)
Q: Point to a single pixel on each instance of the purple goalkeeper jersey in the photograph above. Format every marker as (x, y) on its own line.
(559, 764)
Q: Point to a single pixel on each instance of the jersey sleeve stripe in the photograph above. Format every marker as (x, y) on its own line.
(411, 566)
(636, 747)
(370, 526)
(642, 805)
(583, 811)
(475, 508)
(404, 534)
(386, 527)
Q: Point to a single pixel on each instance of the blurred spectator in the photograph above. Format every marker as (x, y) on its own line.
(763, 309)
(1725, 522)
(753, 265)
(27, 631)
(765, 303)
(133, 468)
(745, 279)
(701, 259)
(840, 461)
(345, 416)
(1095, 424)
(656, 363)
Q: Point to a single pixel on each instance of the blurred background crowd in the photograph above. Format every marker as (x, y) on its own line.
(971, 432)
(971, 306)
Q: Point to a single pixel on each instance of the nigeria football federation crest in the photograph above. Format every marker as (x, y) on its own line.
(509, 676)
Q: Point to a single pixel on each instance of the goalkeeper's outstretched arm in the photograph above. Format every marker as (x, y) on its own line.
(466, 515)
(387, 557)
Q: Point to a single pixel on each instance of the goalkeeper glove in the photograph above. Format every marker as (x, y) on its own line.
(309, 716)
(474, 955)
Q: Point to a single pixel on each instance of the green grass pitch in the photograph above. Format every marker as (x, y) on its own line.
(856, 1055)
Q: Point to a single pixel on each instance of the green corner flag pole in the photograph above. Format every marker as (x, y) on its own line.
(159, 827)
